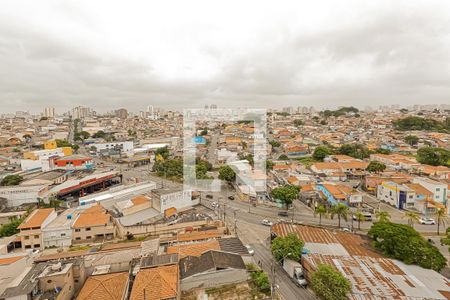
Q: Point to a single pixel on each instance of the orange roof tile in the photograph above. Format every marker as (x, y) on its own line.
(104, 287)
(93, 216)
(156, 283)
(198, 235)
(36, 218)
(195, 249)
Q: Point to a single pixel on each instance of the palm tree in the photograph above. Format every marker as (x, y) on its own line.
(341, 211)
(321, 211)
(441, 218)
(360, 217)
(412, 218)
(383, 216)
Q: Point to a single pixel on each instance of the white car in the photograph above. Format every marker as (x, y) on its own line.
(427, 221)
(266, 222)
(250, 250)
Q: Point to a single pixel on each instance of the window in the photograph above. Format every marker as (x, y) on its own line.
(77, 230)
(36, 236)
(49, 281)
(63, 234)
(26, 237)
(37, 245)
(88, 237)
(78, 238)
(438, 189)
(28, 247)
(88, 229)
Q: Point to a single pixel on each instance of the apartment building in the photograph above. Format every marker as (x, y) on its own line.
(30, 233)
(58, 233)
(398, 195)
(439, 189)
(94, 223)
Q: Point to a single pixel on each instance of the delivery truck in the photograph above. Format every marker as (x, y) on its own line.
(295, 271)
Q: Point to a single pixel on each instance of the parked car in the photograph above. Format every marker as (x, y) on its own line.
(266, 222)
(367, 216)
(283, 214)
(250, 250)
(295, 271)
(231, 197)
(427, 221)
(214, 204)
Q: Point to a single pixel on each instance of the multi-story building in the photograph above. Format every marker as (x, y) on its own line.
(94, 223)
(31, 229)
(125, 148)
(58, 233)
(74, 162)
(49, 112)
(398, 195)
(438, 189)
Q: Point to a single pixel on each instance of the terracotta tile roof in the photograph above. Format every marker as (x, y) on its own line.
(93, 216)
(10, 260)
(419, 189)
(36, 218)
(141, 199)
(327, 166)
(104, 287)
(198, 235)
(156, 283)
(193, 249)
(170, 212)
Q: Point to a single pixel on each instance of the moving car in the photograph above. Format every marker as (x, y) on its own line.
(266, 222)
(427, 221)
(283, 214)
(295, 271)
(250, 250)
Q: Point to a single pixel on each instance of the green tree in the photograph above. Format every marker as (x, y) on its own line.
(404, 243)
(411, 140)
(298, 122)
(321, 152)
(275, 144)
(321, 211)
(412, 218)
(329, 284)
(283, 157)
(433, 156)
(9, 180)
(354, 150)
(383, 151)
(419, 123)
(441, 218)
(171, 168)
(163, 151)
(269, 165)
(376, 167)
(227, 173)
(289, 246)
(383, 216)
(261, 280)
(341, 211)
(99, 135)
(10, 228)
(360, 217)
(286, 194)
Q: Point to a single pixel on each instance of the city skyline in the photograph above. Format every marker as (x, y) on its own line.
(251, 54)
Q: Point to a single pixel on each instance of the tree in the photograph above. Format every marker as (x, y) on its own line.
(376, 167)
(433, 156)
(329, 284)
(10, 228)
(441, 218)
(404, 243)
(172, 168)
(283, 157)
(275, 144)
(298, 122)
(286, 194)
(411, 140)
(383, 216)
(341, 211)
(383, 151)
(261, 280)
(289, 246)
(227, 173)
(419, 123)
(412, 218)
(99, 135)
(269, 165)
(321, 211)
(163, 151)
(9, 180)
(321, 152)
(360, 217)
(354, 150)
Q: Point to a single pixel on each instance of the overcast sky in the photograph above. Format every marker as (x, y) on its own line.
(182, 54)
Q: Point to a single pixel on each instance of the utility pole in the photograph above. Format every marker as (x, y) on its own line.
(272, 286)
(235, 223)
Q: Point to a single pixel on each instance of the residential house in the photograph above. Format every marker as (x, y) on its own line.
(113, 286)
(31, 228)
(58, 233)
(439, 189)
(339, 193)
(94, 223)
(157, 283)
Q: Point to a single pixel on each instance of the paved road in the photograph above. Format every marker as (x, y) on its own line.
(212, 149)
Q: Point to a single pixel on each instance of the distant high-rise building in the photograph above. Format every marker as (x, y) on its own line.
(213, 106)
(49, 112)
(121, 113)
(81, 112)
(150, 110)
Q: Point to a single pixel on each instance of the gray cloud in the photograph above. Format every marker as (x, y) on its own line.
(398, 55)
